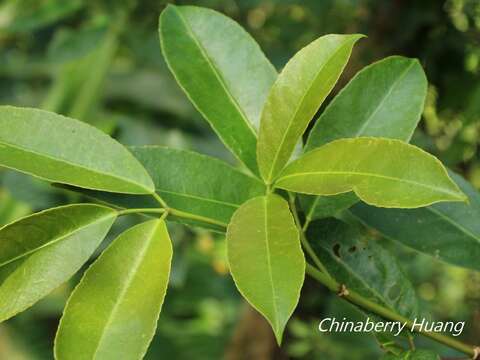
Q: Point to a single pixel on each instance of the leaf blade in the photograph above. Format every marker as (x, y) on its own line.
(263, 251)
(59, 149)
(201, 47)
(32, 262)
(296, 95)
(191, 182)
(447, 231)
(363, 265)
(122, 313)
(384, 99)
(381, 172)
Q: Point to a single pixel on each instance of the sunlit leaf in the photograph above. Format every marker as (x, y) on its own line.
(295, 97)
(113, 312)
(381, 172)
(41, 251)
(64, 150)
(265, 257)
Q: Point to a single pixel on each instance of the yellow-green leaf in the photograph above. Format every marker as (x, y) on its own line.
(265, 257)
(113, 312)
(63, 150)
(381, 172)
(41, 251)
(295, 97)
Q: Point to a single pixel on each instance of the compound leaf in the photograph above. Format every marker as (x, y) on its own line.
(113, 312)
(265, 257)
(43, 250)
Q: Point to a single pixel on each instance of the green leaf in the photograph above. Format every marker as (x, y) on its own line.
(266, 260)
(448, 231)
(362, 265)
(40, 252)
(113, 312)
(385, 99)
(381, 172)
(222, 70)
(190, 182)
(67, 151)
(295, 97)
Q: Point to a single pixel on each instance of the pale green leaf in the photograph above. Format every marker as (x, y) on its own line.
(113, 312)
(385, 99)
(296, 96)
(41, 251)
(448, 231)
(190, 182)
(222, 70)
(265, 257)
(381, 172)
(67, 151)
(363, 265)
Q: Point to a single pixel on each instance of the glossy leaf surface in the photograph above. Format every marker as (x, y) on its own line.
(385, 99)
(295, 97)
(381, 172)
(190, 182)
(40, 252)
(265, 257)
(363, 265)
(448, 231)
(113, 312)
(64, 150)
(222, 70)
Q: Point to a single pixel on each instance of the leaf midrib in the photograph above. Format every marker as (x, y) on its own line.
(219, 77)
(269, 265)
(411, 182)
(291, 121)
(76, 165)
(236, 206)
(58, 239)
(125, 287)
(454, 224)
(382, 101)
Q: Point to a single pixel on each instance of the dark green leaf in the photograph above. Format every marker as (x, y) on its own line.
(222, 70)
(385, 99)
(362, 265)
(448, 231)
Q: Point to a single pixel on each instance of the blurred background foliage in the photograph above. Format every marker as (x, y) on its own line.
(100, 62)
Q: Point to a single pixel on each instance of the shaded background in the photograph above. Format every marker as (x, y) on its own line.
(100, 62)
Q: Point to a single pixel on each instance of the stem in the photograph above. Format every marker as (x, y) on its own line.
(366, 304)
(303, 239)
(189, 216)
(141, 210)
(160, 200)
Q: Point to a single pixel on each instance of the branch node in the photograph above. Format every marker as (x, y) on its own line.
(343, 291)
